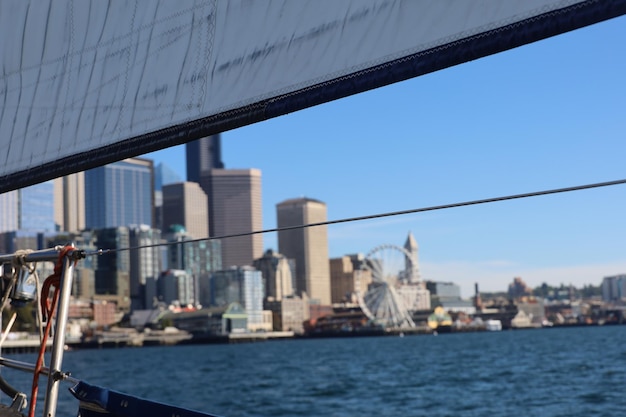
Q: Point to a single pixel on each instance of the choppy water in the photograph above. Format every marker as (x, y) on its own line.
(546, 372)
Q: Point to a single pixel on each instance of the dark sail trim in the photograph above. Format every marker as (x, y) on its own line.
(501, 39)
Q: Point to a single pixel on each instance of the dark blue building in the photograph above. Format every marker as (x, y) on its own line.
(120, 194)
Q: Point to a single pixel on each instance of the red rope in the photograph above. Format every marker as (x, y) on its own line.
(47, 310)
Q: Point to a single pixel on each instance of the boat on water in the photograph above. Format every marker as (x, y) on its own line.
(493, 325)
(87, 83)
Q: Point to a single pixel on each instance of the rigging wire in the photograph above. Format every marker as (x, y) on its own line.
(372, 216)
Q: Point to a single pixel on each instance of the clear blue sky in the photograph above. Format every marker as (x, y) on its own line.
(543, 116)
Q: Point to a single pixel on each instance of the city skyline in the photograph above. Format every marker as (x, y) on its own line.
(543, 116)
(396, 164)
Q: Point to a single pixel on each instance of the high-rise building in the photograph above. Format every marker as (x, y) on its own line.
(36, 208)
(112, 277)
(186, 204)
(234, 198)
(9, 203)
(145, 263)
(69, 202)
(235, 208)
(27, 217)
(23, 240)
(163, 175)
(197, 258)
(277, 273)
(203, 155)
(119, 194)
(242, 285)
(308, 245)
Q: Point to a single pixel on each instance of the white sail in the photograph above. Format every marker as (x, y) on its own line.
(85, 83)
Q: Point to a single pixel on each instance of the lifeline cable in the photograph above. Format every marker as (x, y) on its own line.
(374, 216)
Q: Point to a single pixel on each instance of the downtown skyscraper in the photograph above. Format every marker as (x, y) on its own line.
(203, 155)
(120, 194)
(185, 204)
(235, 208)
(308, 245)
(234, 199)
(29, 209)
(69, 202)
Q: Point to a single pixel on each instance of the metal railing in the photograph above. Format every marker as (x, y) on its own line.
(65, 265)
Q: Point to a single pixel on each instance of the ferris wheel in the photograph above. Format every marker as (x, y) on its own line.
(389, 265)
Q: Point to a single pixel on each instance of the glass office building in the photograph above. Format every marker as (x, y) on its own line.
(119, 194)
(36, 208)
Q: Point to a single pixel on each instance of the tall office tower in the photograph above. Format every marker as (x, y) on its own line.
(145, 263)
(235, 207)
(163, 175)
(186, 204)
(276, 271)
(27, 217)
(113, 269)
(36, 208)
(308, 246)
(203, 155)
(119, 194)
(69, 202)
(9, 211)
(197, 258)
(413, 275)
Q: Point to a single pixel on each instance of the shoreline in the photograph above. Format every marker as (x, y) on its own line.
(31, 345)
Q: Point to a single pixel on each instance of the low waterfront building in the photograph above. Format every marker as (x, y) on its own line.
(288, 314)
(448, 296)
(319, 310)
(534, 309)
(352, 323)
(266, 325)
(459, 306)
(105, 311)
(414, 296)
(521, 321)
(210, 322)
